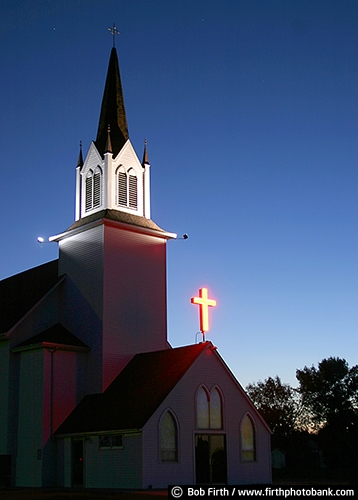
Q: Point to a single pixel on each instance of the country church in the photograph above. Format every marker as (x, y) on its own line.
(92, 394)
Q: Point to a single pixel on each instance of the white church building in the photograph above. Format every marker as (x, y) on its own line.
(91, 393)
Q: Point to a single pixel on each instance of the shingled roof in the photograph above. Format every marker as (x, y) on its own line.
(21, 292)
(135, 394)
(119, 216)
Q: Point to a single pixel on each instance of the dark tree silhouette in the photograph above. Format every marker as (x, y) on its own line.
(278, 404)
(329, 393)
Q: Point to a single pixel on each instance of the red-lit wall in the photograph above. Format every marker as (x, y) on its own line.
(134, 308)
(116, 303)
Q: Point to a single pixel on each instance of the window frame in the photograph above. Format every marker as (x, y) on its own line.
(162, 449)
(210, 425)
(111, 445)
(244, 450)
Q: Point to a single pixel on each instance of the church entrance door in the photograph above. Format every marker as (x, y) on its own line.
(210, 459)
(77, 462)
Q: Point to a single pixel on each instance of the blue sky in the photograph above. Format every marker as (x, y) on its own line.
(250, 112)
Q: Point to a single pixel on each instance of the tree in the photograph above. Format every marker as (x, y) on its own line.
(278, 404)
(330, 391)
(330, 394)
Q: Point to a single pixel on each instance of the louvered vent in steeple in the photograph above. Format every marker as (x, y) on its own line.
(93, 190)
(89, 192)
(133, 202)
(122, 188)
(96, 190)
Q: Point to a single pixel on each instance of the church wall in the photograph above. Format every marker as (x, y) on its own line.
(208, 370)
(14, 383)
(29, 449)
(63, 463)
(236, 405)
(113, 468)
(69, 372)
(49, 390)
(81, 258)
(134, 297)
(48, 446)
(4, 395)
(67, 462)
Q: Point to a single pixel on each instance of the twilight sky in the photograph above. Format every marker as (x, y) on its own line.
(250, 110)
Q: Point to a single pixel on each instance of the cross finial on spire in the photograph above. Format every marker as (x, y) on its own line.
(114, 32)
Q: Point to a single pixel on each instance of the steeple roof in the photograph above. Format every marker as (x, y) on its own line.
(80, 157)
(113, 113)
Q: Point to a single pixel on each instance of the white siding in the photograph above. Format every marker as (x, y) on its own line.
(115, 468)
(64, 462)
(81, 258)
(92, 161)
(29, 451)
(128, 158)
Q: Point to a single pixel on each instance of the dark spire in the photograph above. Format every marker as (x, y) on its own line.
(145, 154)
(112, 111)
(80, 157)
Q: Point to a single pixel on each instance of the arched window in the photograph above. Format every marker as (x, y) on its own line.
(202, 409)
(168, 434)
(248, 448)
(93, 189)
(208, 409)
(127, 188)
(215, 410)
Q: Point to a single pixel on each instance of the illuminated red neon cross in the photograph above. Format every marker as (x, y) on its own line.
(204, 302)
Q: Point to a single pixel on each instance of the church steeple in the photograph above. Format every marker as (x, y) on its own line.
(113, 112)
(112, 177)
